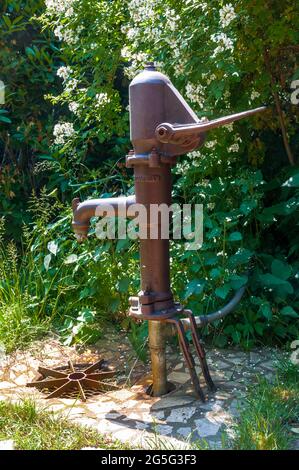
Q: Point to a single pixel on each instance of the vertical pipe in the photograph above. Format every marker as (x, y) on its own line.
(156, 331)
(153, 186)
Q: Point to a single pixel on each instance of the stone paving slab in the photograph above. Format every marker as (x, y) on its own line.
(129, 414)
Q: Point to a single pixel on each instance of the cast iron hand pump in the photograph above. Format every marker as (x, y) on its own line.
(163, 127)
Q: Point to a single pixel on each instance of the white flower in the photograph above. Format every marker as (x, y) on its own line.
(229, 127)
(65, 34)
(64, 7)
(71, 85)
(102, 99)
(254, 95)
(233, 148)
(132, 32)
(137, 62)
(195, 93)
(64, 72)
(227, 15)
(171, 19)
(225, 43)
(126, 53)
(208, 78)
(62, 132)
(211, 144)
(141, 10)
(74, 107)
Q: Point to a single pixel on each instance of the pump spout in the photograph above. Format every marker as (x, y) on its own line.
(84, 211)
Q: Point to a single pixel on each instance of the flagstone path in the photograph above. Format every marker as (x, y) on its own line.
(130, 415)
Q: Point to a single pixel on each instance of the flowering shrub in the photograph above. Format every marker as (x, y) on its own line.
(91, 108)
(224, 57)
(227, 57)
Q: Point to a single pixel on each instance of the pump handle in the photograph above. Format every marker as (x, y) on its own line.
(172, 133)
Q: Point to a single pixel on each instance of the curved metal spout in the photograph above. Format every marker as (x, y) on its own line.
(84, 211)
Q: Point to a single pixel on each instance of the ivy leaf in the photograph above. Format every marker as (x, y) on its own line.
(122, 244)
(236, 335)
(242, 256)
(292, 182)
(259, 328)
(214, 233)
(215, 273)
(289, 311)
(235, 237)
(221, 341)
(87, 292)
(266, 311)
(123, 284)
(86, 316)
(237, 281)
(195, 286)
(283, 286)
(247, 206)
(280, 269)
(5, 119)
(280, 330)
(223, 291)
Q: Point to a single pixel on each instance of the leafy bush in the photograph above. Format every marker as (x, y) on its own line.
(227, 57)
(224, 57)
(27, 58)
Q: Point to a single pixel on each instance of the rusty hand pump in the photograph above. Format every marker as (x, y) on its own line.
(163, 127)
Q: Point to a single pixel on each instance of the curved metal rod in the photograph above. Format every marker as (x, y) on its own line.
(222, 312)
(203, 320)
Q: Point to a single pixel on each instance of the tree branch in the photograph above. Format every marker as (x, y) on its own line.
(279, 110)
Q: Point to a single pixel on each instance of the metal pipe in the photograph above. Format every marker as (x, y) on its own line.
(84, 211)
(204, 320)
(156, 332)
(153, 187)
(222, 312)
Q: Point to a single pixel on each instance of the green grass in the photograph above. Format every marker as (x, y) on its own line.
(34, 429)
(17, 328)
(21, 318)
(270, 410)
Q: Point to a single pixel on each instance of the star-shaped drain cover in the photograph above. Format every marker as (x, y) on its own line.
(70, 381)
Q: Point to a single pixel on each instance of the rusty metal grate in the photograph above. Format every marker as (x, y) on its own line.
(75, 380)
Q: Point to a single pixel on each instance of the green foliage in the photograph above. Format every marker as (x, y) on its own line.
(91, 282)
(90, 102)
(226, 57)
(27, 58)
(66, 112)
(23, 297)
(56, 282)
